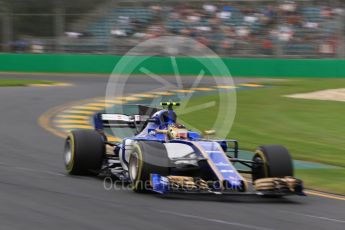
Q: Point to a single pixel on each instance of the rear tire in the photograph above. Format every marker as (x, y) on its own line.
(84, 152)
(276, 162)
(147, 157)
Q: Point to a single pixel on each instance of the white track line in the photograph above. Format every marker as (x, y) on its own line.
(316, 217)
(213, 220)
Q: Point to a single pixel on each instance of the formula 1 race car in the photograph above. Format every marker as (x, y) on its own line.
(165, 157)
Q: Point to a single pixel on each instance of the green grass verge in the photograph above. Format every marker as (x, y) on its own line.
(312, 130)
(23, 82)
(331, 180)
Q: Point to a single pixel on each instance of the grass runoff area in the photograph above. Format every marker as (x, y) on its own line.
(23, 82)
(312, 130)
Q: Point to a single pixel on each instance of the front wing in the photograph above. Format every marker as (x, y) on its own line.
(196, 186)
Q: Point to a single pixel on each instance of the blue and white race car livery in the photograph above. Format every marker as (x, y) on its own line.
(163, 156)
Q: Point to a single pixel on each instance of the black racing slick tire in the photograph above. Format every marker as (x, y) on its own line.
(147, 157)
(84, 152)
(272, 161)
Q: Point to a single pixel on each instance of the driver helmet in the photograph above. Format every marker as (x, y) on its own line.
(177, 133)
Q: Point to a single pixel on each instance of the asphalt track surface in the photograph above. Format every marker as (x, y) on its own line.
(35, 192)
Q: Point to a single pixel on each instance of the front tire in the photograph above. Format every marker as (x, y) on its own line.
(272, 161)
(84, 152)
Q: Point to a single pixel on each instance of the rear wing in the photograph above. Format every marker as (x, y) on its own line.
(103, 120)
(114, 120)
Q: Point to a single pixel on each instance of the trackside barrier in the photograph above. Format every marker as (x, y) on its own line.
(104, 64)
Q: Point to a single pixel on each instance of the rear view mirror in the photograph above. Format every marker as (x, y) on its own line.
(210, 132)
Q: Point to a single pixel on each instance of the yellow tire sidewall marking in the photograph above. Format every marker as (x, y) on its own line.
(262, 155)
(136, 181)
